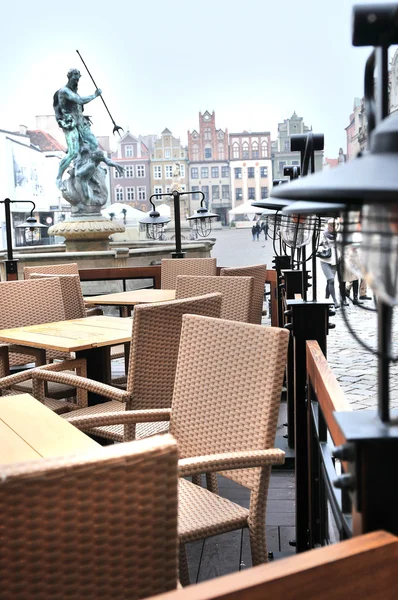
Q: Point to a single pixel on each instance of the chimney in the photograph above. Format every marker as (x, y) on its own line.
(23, 129)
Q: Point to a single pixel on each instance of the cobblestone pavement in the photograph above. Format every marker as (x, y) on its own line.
(355, 368)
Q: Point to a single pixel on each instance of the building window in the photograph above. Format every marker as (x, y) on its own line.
(130, 196)
(251, 193)
(281, 164)
(245, 150)
(215, 172)
(168, 188)
(254, 150)
(157, 172)
(117, 174)
(142, 193)
(295, 163)
(264, 193)
(169, 171)
(157, 190)
(167, 153)
(238, 193)
(204, 172)
(250, 172)
(119, 194)
(225, 192)
(195, 188)
(129, 151)
(215, 192)
(182, 170)
(224, 171)
(238, 173)
(235, 150)
(195, 152)
(207, 134)
(207, 152)
(221, 152)
(140, 170)
(194, 173)
(264, 150)
(263, 171)
(286, 146)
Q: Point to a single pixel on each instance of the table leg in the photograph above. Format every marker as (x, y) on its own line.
(98, 368)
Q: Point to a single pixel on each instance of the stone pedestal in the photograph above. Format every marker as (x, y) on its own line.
(86, 233)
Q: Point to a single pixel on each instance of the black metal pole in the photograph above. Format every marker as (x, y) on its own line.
(177, 226)
(11, 264)
(384, 323)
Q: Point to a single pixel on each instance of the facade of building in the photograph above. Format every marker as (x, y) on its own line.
(167, 151)
(357, 130)
(281, 153)
(250, 166)
(133, 187)
(209, 166)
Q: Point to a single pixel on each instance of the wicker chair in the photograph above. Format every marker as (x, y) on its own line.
(185, 266)
(29, 303)
(221, 424)
(153, 360)
(259, 274)
(237, 293)
(94, 526)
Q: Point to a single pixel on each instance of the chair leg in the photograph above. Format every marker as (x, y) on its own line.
(183, 567)
(197, 479)
(212, 483)
(258, 544)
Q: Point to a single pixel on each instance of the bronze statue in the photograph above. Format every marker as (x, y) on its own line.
(86, 184)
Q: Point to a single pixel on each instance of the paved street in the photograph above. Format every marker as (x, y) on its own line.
(354, 367)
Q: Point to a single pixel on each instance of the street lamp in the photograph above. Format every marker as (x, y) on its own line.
(31, 223)
(155, 223)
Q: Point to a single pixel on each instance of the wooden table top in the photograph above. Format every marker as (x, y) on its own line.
(30, 431)
(133, 297)
(71, 336)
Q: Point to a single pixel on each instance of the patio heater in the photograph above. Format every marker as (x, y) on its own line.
(367, 187)
(155, 223)
(30, 223)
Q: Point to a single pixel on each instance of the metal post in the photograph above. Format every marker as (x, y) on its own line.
(384, 325)
(177, 225)
(11, 264)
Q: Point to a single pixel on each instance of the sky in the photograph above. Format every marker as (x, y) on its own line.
(161, 62)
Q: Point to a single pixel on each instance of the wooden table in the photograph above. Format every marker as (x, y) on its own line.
(130, 299)
(90, 338)
(30, 431)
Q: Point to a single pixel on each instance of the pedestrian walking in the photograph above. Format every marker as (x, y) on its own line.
(264, 228)
(327, 254)
(258, 229)
(254, 232)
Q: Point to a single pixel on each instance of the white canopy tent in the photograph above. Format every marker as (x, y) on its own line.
(245, 209)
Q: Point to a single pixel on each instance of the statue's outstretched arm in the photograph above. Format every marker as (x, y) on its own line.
(80, 99)
(111, 163)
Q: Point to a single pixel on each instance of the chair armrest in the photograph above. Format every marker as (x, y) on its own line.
(229, 461)
(119, 418)
(10, 380)
(81, 382)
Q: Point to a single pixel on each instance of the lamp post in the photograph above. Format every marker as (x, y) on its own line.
(366, 190)
(31, 223)
(154, 222)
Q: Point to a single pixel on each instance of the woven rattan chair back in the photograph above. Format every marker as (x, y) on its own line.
(68, 269)
(234, 407)
(171, 267)
(154, 348)
(236, 291)
(71, 293)
(120, 543)
(259, 274)
(29, 302)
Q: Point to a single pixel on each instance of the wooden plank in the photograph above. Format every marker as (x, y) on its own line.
(13, 448)
(221, 555)
(194, 552)
(363, 567)
(43, 430)
(132, 298)
(327, 389)
(285, 535)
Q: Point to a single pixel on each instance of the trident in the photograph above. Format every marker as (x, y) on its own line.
(116, 128)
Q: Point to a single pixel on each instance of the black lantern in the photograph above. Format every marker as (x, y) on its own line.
(154, 222)
(31, 224)
(201, 219)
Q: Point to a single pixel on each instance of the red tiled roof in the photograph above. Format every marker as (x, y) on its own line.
(44, 141)
(333, 162)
